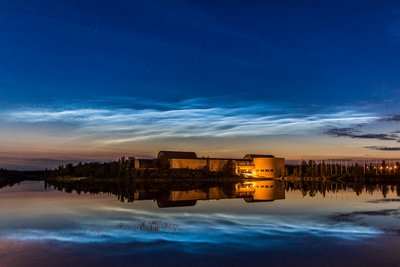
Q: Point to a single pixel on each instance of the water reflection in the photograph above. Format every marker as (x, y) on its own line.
(177, 194)
(188, 193)
(81, 216)
(265, 190)
(312, 188)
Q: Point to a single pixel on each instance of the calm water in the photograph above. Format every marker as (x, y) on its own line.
(199, 224)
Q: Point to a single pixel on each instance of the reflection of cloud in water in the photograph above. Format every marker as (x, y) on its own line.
(387, 219)
(192, 228)
(384, 200)
(352, 216)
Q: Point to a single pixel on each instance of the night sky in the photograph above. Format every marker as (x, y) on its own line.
(95, 80)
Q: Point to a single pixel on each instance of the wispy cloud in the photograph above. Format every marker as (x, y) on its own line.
(353, 133)
(383, 148)
(25, 163)
(393, 118)
(190, 118)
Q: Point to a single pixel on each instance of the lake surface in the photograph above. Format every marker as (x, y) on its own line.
(268, 222)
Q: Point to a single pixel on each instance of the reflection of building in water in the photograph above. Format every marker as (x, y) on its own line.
(198, 194)
(186, 193)
(261, 190)
(251, 165)
(180, 194)
(244, 189)
(177, 193)
(252, 191)
(179, 198)
(162, 203)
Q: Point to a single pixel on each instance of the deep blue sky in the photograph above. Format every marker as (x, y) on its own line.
(303, 51)
(311, 57)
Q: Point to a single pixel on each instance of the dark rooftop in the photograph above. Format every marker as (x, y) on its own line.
(252, 156)
(177, 155)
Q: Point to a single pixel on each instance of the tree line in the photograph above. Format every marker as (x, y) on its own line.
(125, 168)
(340, 168)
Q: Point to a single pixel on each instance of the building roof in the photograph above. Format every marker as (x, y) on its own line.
(252, 156)
(177, 155)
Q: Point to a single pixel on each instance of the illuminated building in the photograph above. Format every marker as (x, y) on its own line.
(251, 165)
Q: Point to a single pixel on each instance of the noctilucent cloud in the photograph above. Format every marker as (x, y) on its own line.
(95, 80)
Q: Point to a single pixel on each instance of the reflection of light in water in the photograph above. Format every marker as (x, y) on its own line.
(261, 190)
(264, 190)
